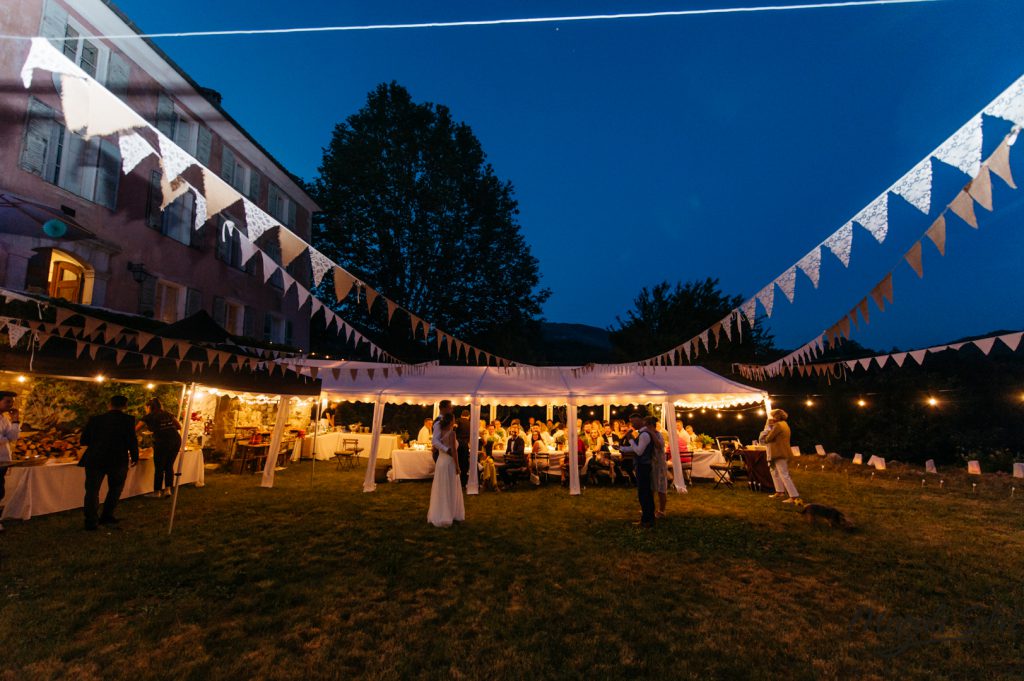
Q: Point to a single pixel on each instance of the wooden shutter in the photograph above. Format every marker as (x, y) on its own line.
(290, 218)
(154, 218)
(249, 322)
(165, 117)
(108, 174)
(227, 166)
(268, 327)
(287, 332)
(118, 74)
(39, 139)
(220, 311)
(147, 297)
(193, 302)
(203, 145)
(54, 25)
(254, 185)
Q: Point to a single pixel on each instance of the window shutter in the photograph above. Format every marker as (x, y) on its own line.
(287, 332)
(268, 327)
(205, 141)
(227, 166)
(291, 215)
(165, 115)
(220, 312)
(147, 297)
(39, 138)
(254, 185)
(249, 322)
(55, 22)
(273, 201)
(118, 74)
(154, 218)
(108, 173)
(193, 302)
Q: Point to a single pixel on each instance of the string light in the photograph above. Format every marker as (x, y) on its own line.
(718, 414)
(861, 403)
(150, 386)
(22, 379)
(932, 402)
(739, 417)
(760, 412)
(809, 403)
(100, 378)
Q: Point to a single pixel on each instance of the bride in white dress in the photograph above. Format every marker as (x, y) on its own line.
(446, 503)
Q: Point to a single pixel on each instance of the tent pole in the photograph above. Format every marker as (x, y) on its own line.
(571, 449)
(607, 413)
(369, 483)
(669, 412)
(549, 413)
(181, 454)
(473, 475)
(181, 400)
(316, 429)
(283, 404)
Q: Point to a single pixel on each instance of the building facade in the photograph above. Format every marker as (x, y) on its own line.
(122, 252)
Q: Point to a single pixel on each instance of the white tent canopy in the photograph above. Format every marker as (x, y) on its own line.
(621, 384)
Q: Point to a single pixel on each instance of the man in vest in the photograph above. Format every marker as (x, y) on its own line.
(642, 447)
(443, 407)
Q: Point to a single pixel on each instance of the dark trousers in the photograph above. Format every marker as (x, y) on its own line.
(464, 463)
(115, 475)
(644, 492)
(3, 482)
(164, 455)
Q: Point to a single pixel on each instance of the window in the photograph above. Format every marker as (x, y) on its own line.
(280, 207)
(229, 247)
(273, 328)
(174, 221)
(229, 314)
(65, 33)
(250, 319)
(169, 305)
(89, 168)
(240, 176)
(272, 248)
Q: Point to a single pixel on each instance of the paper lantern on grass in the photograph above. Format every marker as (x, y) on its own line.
(1018, 470)
(973, 468)
(878, 462)
(858, 459)
(929, 466)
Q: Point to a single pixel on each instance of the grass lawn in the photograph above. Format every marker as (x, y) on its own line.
(328, 582)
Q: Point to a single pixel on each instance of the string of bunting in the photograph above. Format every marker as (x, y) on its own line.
(962, 151)
(978, 190)
(94, 111)
(841, 367)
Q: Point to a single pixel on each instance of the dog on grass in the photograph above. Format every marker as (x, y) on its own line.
(812, 513)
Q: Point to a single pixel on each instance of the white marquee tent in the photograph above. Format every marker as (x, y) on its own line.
(671, 386)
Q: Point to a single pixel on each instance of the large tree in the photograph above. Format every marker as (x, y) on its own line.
(412, 206)
(665, 316)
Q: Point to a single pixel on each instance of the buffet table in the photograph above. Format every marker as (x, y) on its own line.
(702, 460)
(51, 488)
(328, 443)
(412, 464)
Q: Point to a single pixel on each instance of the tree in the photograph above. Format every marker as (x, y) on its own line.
(665, 316)
(413, 208)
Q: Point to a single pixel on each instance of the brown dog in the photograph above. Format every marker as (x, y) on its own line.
(833, 516)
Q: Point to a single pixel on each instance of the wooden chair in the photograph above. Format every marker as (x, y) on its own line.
(346, 455)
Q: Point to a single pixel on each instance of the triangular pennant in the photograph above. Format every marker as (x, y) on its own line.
(291, 245)
(704, 340)
(1009, 105)
(1012, 340)
(79, 347)
(882, 359)
(92, 350)
(963, 207)
(183, 348)
(92, 325)
(913, 258)
(165, 346)
(62, 315)
(371, 297)
(727, 327)
(767, 297)
(811, 265)
(15, 333)
(841, 243)
(937, 233)
(918, 355)
(336, 373)
(985, 344)
(257, 223)
(844, 327)
(287, 281)
(142, 340)
(851, 364)
(219, 194)
(343, 282)
(303, 293)
(111, 332)
(133, 148)
(999, 163)
(247, 248)
(686, 349)
(354, 373)
(954, 346)
(875, 217)
(916, 186)
(43, 55)
(320, 264)
(963, 149)
(173, 159)
(119, 356)
(787, 282)
(898, 357)
(269, 266)
(171, 190)
(980, 188)
(749, 309)
(865, 363)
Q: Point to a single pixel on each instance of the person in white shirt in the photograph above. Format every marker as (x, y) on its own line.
(10, 429)
(426, 433)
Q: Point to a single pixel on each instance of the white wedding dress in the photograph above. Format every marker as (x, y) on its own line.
(446, 503)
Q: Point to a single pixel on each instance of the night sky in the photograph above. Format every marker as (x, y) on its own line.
(671, 148)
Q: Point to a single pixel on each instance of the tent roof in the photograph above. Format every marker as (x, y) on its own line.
(687, 386)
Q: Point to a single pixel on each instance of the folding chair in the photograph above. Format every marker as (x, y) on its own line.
(733, 467)
(346, 456)
(554, 467)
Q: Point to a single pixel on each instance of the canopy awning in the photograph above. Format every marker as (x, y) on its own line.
(685, 386)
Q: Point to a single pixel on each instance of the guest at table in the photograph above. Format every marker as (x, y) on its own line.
(166, 445)
(537, 445)
(581, 459)
(558, 434)
(112, 448)
(10, 430)
(426, 433)
(499, 431)
(517, 461)
(643, 445)
(776, 441)
(488, 471)
(592, 437)
(611, 439)
(694, 440)
(545, 434)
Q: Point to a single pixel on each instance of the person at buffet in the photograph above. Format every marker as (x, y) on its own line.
(166, 444)
(517, 461)
(328, 415)
(443, 407)
(10, 430)
(642, 446)
(426, 433)
(112, 447)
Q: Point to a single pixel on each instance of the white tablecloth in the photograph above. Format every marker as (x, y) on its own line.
(328, 443)
(412, 464)
(38, 490)
(702, 461)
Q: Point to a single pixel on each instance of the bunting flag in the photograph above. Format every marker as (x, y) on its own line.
(787, 282)
(963, 207)
(937, 233)
(767, 297)
(15, 333)
(257, 222)
(133, 150)
(291, 245)
(810, 264)
(999, 163)
(913, 258)
(980, 188)
(875, 217)
(269, 266)
(841, 243)
(1012, 340)
(898, 358)
(963, 149)
(371, 298)
(916, 186)
(749, 310)
(171, 190)
(173, 159)
(320, 264)
(343, 282)
(726, 325)
(219, 194)
(985, 344)
(43, 55)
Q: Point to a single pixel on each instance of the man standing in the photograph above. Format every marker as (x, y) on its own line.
(643, 448)
(10, 429)
(462, 435)
(111, 445)
(443, 407)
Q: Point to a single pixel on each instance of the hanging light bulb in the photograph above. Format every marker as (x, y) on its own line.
(150, 386)
(718, 414)
(22, 379)
(739, 417)
(809, 402)
(932, 402)
(861, 403)
(100, 378)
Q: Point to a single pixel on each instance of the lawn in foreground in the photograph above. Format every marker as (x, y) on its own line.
(329, 582)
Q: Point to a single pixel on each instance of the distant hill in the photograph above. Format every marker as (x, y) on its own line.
(575, 344)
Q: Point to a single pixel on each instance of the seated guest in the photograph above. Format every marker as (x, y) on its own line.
(593, 438)
(517, 461)
(499, 431)
(581, 459)
(694, 440)
(491, 439)
(610, 438)
(602, 463)
(488, 471)
(537, 445)
(426, 433)
(545, 434)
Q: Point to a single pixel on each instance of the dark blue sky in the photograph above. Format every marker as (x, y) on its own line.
(680, 148)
